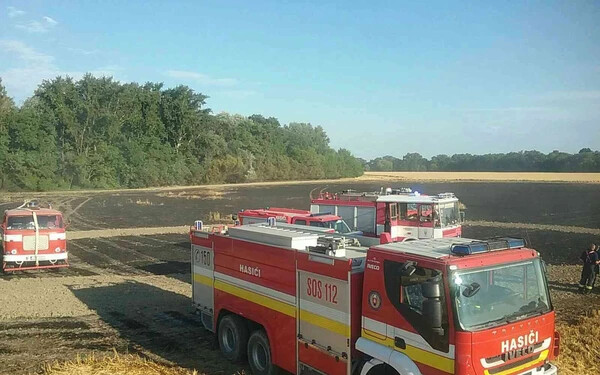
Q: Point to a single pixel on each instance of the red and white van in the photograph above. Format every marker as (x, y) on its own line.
(33, 238)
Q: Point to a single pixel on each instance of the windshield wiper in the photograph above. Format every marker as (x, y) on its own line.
(524, 312)
(515, 316)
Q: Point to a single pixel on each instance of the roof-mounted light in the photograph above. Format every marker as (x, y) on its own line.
(484, 246)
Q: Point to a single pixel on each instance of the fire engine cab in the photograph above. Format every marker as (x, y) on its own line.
(401, 212)
(293, 216)
(33, 238)
(310, 303)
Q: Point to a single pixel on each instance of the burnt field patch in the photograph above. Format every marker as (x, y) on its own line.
(555, 247)
(542, 203)
(139, 255)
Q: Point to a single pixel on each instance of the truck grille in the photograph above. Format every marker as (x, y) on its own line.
(29, 243)
(514, 364)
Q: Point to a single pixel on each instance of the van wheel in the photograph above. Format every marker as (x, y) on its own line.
(259, 355)
(233, 338)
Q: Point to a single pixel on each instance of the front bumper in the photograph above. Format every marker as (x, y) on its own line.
(547, 369)
(20, 258)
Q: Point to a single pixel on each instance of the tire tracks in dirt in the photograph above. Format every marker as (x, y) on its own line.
(121, 232)
(114, 266)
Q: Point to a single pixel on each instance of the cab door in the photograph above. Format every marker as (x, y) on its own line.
(425, 221)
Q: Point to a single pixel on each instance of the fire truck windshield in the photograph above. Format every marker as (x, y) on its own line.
(448, 214)
(497, 295)
(27, 222)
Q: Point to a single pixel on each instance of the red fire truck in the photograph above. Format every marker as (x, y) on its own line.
(311, 303)
(33, 238)
(293, 216)
(401, 212)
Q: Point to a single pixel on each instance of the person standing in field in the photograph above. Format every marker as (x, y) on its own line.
(588, 273)
(597, 266)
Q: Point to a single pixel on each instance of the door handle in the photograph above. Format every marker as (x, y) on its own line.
(399, 343)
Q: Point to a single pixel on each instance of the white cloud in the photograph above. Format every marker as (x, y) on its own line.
(82, 51)
(50, 21)
(38, 27)
(32, 27)
(14, 12)
(200, 78)
(25, 53)
(33, 67)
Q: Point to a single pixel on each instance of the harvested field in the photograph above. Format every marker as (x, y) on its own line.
(128, 285)
(114, 365)
(579, 178)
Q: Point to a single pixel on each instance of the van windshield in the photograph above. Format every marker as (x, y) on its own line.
(448, 214)
(499, 295)
(339, 226)
(27, 223)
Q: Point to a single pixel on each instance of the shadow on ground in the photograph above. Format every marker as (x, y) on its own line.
(156, 323)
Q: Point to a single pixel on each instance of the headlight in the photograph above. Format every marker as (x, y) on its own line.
(57, 250)
(13, 251)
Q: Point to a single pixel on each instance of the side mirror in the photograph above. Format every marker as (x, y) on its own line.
(408, 269)
(432, 312)
(234, 217)
(471, 290)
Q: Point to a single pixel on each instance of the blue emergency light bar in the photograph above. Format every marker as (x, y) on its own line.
(484, 246)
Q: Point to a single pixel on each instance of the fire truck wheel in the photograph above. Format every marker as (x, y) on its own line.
(259, 355)
(233, 338)
(382, 370)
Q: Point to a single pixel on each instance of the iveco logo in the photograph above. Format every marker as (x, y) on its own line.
(519, 346)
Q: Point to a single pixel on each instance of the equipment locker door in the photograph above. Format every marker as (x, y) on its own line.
(203, 283)
(323, 303)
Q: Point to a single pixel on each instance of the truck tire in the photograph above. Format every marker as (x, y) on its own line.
(233, 338)
(259, 354)
(382, 369)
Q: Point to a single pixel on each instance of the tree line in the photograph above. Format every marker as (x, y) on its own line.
(585, 160)
(99, 133)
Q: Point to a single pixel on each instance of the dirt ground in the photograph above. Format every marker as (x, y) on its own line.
(128, 288)
(128, 293)
(132, 294)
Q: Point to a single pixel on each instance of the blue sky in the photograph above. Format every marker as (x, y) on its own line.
(380, 77)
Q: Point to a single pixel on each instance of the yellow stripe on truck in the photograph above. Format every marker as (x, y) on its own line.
(416, 354)
(325, 323)
(259, 299)
(517, 369)
(203, 279)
